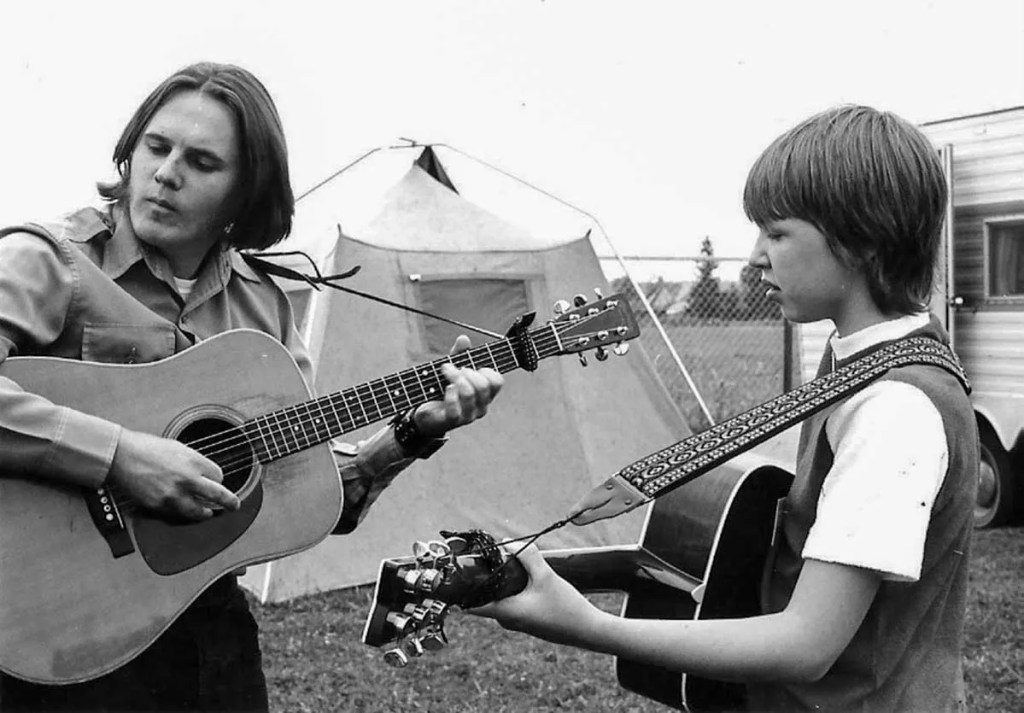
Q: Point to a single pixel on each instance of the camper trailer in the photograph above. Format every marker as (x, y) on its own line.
(980, 293)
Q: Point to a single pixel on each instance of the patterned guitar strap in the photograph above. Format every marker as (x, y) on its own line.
(667, 469)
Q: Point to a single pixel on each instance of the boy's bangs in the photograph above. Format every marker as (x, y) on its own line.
(777, 187)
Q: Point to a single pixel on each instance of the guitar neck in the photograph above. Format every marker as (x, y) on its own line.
(290, 430)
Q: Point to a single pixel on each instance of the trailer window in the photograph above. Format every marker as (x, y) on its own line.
(1005, 247)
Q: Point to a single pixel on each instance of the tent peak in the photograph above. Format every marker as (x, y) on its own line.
(430, 163)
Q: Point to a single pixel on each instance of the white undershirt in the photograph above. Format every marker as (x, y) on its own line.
(184, 287)
(890, 461)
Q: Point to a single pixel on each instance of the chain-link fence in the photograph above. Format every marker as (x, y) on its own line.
(732, 348)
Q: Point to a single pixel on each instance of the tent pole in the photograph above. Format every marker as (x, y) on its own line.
(664, 334)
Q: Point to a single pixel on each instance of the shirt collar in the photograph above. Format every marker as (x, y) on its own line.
(239, 265)
(848, 346)
(124, 249)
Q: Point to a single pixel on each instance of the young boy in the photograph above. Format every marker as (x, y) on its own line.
(865, 605)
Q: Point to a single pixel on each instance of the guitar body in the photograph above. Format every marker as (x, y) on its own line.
(717, 529)
(70, 608)
(86, 585)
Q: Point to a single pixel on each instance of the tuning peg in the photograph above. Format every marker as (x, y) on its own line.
(396, 658)
(413, 647)
(561, 307)
(421, 580)
(418, 613)
(597, 291)
(583, 359)
(429, 581)
(433, 639)
(579, 300)
(420, 550)
(436, 607)
(399, 621)
(621, 348)
(440, 552)
(601, 353)
(458, 545)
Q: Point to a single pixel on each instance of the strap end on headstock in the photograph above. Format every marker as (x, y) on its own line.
(614, 496)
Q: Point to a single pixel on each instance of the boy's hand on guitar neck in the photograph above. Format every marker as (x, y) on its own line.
(167, 476)
(549, 608)
(467, 397)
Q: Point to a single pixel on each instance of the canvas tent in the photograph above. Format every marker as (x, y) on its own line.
(551, 435)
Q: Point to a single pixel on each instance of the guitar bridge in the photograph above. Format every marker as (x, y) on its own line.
(107, 518)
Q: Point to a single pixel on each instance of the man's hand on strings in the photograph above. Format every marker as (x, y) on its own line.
(467, 397)
(167, 476)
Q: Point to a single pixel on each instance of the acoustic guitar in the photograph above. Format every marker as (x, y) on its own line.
(705, 549)
(702, 555)
(87, 583)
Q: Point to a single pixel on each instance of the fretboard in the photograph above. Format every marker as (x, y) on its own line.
(296, 428)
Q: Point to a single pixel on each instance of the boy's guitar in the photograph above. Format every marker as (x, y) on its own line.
(701, 557)
(87, 584)
(704, 548)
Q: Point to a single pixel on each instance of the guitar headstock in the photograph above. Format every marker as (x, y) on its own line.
(606, 322)
(414, 594)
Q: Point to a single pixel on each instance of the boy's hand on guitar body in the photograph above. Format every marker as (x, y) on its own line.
(549, 608)
(467, 397)
(167, 476)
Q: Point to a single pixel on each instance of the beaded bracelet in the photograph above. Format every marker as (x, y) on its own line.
(409, 438)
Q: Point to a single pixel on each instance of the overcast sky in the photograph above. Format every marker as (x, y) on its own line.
(645, 114)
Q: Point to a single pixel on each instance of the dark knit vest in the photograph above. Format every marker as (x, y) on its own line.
(906, 654)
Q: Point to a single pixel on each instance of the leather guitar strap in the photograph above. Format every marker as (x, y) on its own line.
(667, 469)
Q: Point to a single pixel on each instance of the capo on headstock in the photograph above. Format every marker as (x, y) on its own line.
(522, 342)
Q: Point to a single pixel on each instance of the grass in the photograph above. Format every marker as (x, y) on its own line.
(315, 662)
(734, 365)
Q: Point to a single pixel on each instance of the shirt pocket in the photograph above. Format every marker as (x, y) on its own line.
(127, 343)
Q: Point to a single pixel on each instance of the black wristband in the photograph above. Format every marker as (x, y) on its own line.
(409, 438)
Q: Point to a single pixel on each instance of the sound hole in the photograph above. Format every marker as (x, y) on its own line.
(224, 444)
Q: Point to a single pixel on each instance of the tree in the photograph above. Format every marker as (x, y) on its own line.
(706, 293)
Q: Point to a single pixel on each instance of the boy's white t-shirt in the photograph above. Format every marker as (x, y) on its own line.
(890, 461)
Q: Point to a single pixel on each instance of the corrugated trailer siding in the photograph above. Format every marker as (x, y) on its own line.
(988, 182)
(968, 254)
(988, 156)
(989, 345)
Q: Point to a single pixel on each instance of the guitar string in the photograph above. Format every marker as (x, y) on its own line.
(235, 438)
(541, 336)
(544, 338)
(238, 438)
(295, 419)
(378, 390)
